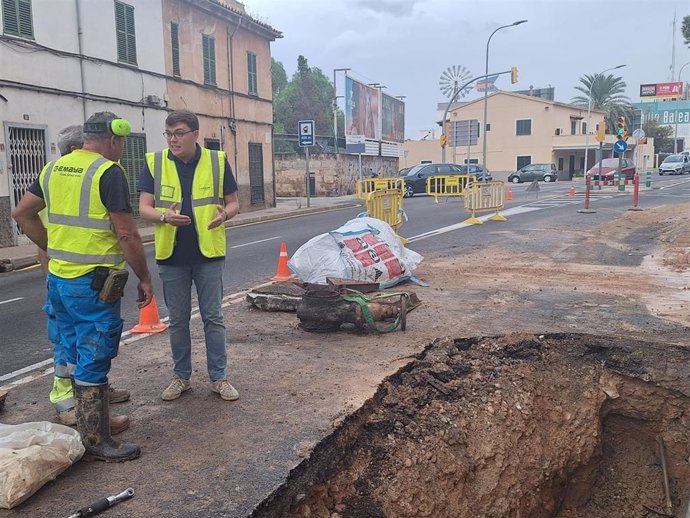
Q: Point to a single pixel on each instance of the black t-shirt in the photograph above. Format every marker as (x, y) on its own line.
(186, 250)
(113, 188)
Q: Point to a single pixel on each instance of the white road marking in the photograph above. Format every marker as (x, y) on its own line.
(11, 300)
(508, 212)
(255, 242)
(24, 370)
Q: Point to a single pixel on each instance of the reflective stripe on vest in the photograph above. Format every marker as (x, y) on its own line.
(167, 191)
(77, 243)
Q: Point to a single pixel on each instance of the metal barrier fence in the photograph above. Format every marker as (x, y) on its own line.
(365, 186)
(447, 185)
(482, 197)
(386, 205)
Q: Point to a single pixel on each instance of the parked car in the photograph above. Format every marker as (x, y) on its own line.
(609, 166)
(415, 179)
(675, 164)
(531, 172)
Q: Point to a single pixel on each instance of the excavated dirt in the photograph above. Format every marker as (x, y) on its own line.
(529, 425)
(522, 425)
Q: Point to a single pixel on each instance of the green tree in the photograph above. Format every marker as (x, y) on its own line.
(662, 135)
(607, 95)
(685, 29)
(279, 78)
(307, 96)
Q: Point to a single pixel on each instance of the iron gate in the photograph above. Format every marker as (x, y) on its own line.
(256, 173)
(26, 156)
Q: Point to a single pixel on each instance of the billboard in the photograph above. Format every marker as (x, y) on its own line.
(393, 119)
(361, 109)
(667, 113)
(661, 90)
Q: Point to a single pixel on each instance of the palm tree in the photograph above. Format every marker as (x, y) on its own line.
(607, 95)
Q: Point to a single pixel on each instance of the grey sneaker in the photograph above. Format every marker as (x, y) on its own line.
(226, 391)
(175, 389)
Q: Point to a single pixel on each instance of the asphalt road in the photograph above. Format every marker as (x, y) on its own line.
(253, 250)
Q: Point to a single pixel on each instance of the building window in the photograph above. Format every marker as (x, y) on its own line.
(209, 45)
(252, 87)
(584, 128)
(17, 19)
(573, 127)
(126, 39)
(175, 45)
(523, 127)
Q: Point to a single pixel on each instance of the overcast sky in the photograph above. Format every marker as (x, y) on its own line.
(407, 44)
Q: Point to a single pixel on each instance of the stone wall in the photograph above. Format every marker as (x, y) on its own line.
(6, 232)
(334, 175)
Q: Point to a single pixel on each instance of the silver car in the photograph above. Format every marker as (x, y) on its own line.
(675, 164)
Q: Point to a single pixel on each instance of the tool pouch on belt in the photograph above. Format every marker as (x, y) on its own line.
(109, 283)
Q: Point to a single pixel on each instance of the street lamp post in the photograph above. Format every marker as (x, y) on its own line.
(589, 109)
(335, 109)
(486, 90)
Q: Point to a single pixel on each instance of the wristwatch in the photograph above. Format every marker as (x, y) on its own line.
(162, 217)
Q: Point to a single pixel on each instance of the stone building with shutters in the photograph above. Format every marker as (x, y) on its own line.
(140, 59)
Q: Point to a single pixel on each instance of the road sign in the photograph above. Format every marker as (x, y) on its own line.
(620, 146)
(464, 133)
(306, 133)
(533, 187)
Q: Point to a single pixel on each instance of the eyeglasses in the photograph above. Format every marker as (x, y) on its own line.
(178, 134)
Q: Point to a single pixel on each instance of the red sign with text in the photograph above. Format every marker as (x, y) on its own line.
(669, 89)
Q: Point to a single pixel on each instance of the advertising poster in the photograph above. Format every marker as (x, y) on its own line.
(393, 119)
(361, 109)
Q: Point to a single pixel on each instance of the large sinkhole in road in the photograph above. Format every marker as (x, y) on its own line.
(531, 426)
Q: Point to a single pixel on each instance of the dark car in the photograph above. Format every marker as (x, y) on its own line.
(415, 179)
(531, 172)
(675, 164)
(609, 166)
(404, 171)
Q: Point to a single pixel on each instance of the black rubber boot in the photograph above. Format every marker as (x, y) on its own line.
(93, 424)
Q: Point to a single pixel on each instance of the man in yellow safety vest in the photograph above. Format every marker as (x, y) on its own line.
(89, 237)
(189, 192)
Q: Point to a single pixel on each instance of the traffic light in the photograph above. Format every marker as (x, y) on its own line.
(601, 132)
(444, 140)
(513, 75)
(622, 129)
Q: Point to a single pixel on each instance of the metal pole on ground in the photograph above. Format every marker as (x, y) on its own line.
(636, 191)
(588, 189)
(308, 182)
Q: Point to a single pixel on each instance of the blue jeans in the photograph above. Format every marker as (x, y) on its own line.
(90, 329)
(177, 290)
(64, 357)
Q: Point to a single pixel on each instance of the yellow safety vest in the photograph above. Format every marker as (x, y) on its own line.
(207, 194)
(80, 234)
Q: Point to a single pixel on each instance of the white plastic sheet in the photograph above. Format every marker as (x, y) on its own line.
(32, 454)
(363, 249)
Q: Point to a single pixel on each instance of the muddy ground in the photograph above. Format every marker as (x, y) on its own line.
(534, 426)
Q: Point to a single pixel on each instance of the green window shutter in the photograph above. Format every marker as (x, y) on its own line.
(209, 49)
(133, 160)
(10, 17)
(175, 44)
(17, 18)
(124, 28)
(252, 83)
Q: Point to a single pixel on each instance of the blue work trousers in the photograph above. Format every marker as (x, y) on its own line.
(177, 290)
(90, 328)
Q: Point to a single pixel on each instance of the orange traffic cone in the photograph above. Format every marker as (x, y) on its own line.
(283, 273)
(571, 192)
(149, 321)
(509, 196)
